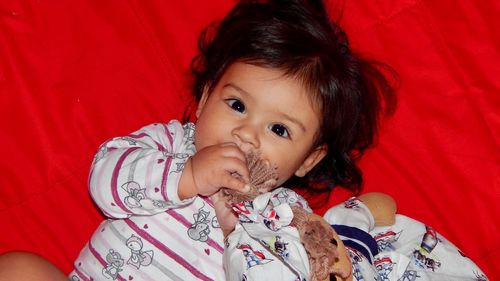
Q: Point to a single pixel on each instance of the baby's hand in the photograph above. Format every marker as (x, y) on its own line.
(212, 168)
(225, 215)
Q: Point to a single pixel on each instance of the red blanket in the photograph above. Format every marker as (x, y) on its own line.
(75, 73)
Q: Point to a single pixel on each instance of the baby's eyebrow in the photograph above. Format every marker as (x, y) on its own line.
(238, 89)
(294, 120)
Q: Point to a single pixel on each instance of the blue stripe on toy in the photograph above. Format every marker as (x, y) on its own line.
(357, 239)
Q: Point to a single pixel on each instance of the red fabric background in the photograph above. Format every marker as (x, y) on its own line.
(75, 73)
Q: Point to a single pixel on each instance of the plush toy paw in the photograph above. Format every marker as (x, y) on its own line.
(322, 246)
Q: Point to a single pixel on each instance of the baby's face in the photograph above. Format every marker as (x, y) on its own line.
(260, 109)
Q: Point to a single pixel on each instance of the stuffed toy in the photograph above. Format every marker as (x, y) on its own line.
(328, 257)
(361, 239)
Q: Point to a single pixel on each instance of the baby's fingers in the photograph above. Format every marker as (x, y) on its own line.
(234, 183)
(237, 168)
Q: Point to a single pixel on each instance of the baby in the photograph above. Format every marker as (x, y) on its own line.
(273, 76)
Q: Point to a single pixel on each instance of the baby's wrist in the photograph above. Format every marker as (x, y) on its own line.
(187, 185)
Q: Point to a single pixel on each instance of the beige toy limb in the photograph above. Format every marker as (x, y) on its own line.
(382, 206)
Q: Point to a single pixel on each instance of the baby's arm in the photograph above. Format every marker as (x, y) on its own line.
(154, 169)
(139, 173)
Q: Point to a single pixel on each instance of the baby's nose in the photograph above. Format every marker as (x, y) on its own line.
(247, 138)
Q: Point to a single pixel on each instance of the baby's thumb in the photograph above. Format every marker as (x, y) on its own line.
(236, 184)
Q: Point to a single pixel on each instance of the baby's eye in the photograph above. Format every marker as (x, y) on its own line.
(280, 130)
(237, 105)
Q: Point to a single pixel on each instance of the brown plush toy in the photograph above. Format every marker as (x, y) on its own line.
(328, 257)
(316, 230)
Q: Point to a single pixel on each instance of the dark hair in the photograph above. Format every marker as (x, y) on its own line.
(298, 38)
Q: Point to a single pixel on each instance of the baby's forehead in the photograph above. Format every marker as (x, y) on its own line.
(296, 79)
(302, 77)
(305, 79)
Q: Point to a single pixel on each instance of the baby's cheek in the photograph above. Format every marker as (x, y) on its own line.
(286, 171)
(284, 162)
(283, 176)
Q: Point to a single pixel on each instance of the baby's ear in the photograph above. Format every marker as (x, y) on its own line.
(311, 160)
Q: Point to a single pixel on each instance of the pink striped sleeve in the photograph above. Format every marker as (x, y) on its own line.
(139, 173)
